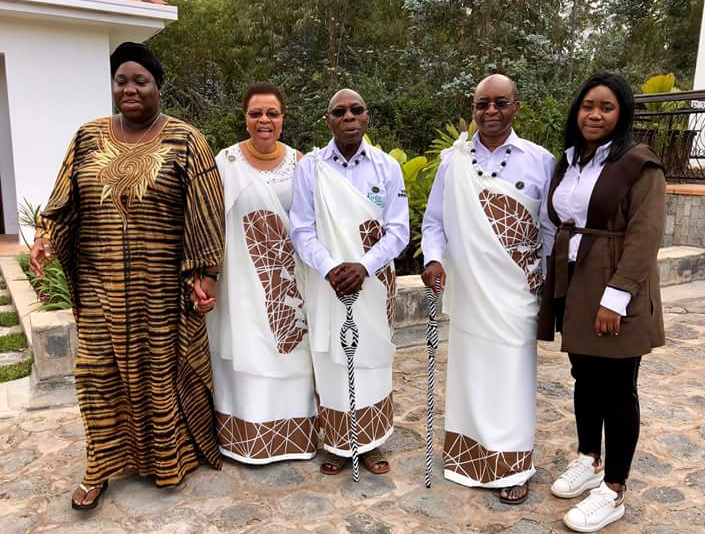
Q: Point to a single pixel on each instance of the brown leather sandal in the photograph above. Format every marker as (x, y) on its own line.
(375, 462)
(332, 464)
(80, 498)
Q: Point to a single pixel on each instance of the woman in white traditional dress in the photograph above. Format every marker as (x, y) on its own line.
(262, 370)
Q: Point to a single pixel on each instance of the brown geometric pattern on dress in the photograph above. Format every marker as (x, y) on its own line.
(272, 254)
(372, 231)
(465, 456)
(373, 422)
(272, 439)
(517, 232)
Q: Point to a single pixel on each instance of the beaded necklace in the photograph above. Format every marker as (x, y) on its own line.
(496, 172)
(343, 163)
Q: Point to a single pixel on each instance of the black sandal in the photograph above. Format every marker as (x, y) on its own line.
(79, 504)
(520, 500)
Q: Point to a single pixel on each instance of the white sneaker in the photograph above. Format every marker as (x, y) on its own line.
(579, 476)
(597, 511)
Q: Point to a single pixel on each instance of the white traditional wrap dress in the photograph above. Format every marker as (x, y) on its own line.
(262, 370)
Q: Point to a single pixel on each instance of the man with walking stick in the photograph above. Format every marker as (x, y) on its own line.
(349, 220)
(481, 227)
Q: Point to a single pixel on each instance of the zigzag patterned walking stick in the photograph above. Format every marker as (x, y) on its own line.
(431, 346)
(349, 348)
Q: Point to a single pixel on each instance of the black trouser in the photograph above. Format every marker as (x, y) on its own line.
(606, 392)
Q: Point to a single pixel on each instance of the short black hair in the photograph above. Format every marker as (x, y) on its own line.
(621, 137)
(262, 88)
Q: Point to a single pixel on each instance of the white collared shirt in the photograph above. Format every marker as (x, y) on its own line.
(571, 200)
(529, 163)
(375, 174)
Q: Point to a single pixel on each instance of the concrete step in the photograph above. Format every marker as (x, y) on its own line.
(681, 265)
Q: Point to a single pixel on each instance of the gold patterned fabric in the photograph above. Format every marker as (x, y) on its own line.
(129, 224)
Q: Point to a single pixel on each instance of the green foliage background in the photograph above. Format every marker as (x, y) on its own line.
(414, 61)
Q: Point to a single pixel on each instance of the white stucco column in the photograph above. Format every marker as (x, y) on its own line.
(699, 78)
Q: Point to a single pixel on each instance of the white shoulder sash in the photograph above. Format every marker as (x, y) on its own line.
(259, 321)
(492, 254)
(344, 217)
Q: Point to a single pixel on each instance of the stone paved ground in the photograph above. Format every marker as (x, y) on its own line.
(42, 457)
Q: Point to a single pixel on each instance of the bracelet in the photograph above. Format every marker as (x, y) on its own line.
(212, 276)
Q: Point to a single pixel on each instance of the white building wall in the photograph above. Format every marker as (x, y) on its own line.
(57, 79)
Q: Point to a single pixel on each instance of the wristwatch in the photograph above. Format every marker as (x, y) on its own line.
(211, 275)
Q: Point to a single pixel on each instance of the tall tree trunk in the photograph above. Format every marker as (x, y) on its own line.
(332, 49)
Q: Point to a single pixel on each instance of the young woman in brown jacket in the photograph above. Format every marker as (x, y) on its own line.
(607, 204)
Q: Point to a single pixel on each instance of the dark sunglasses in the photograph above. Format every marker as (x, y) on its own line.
(271, 114)
(499, 104)
(340, 112)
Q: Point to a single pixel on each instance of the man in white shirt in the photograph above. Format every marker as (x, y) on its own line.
(482, 227)
(349, 220)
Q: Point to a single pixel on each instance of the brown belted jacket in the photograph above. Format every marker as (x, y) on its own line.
(619, 246)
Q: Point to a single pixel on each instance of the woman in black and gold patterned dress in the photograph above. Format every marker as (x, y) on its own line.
(136, 219)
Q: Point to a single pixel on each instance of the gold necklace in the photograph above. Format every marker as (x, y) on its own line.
(264, 156)
(124, 136)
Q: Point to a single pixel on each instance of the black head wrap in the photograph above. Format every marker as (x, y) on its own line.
(138, 53)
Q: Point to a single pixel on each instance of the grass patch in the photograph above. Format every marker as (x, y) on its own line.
(52, 289)
(16, 370)
(12, 342)
(9, 319)
(4, 301)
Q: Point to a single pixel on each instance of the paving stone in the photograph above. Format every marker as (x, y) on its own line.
(542, 476)
(659, 368)
(701, 432)
(76, 450)
(370, 485)
(664, 495)
(236, 517)
(16, 460)
(28, 487)
(306, 505)
(403, 440)
(88, 527)
(279, 476)
(428, 504)
(692, 515)
(19, 525)
(633, 514)
(526, 526)
(682, 447)
(635, 484)
(489, 499)
(361, 523)
(681, 332)
(691, 353)
(548, 416)
(278, 529)
(434, 531)
(11, 358)
(178, 521)
(696, 480)
(660, 529)
(554, 390)
(656, 411)
(211, 485)
(140, 496)
(72, 431)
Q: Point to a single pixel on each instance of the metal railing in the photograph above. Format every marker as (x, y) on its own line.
(673, 124)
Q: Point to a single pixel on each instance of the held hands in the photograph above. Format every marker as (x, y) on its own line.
(42, 253)
(434, 271)
(203, 293)
(347, 278)
(607, 322)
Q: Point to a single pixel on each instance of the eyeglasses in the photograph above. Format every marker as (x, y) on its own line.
(499, 104)
(341, 111)
(272, 114)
